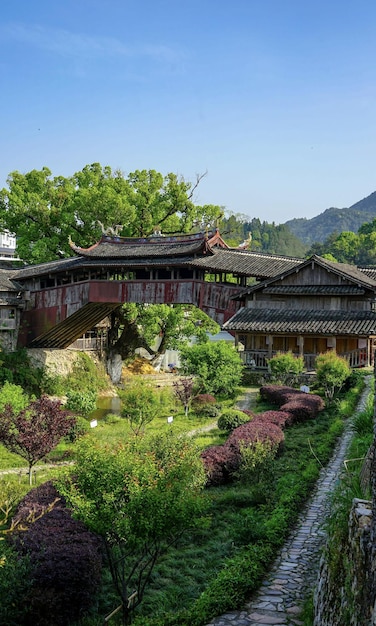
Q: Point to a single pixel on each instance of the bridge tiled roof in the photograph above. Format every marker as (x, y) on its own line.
(317, 322)
(146, 247)
(246, 263)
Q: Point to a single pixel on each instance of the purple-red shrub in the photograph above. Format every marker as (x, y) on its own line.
(65, 558)
(219, 462)
(304, 406)
(256, 430)
(203, 398)
(277, 394)
(279, 418)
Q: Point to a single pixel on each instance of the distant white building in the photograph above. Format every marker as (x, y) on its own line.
(7, 245)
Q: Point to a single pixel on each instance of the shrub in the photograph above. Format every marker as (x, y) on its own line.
(277, 394)
(254, 459)
(86, 375)
(16, 368)
(63, 580)
(232, 418)
(285, 364)
(15, 581)
(332, 372)
(205, 405)
(203, 399)
(13, 395)
(219, 463)
(216, 366)
(256, 430)
(79, 429)
(279, 418)
(303, 406)
(81, 402)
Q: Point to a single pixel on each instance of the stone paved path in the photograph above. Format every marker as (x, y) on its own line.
(279, 600)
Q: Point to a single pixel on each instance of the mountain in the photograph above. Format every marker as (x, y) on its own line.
(334, 220)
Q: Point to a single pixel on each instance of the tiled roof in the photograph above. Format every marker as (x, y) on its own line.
(47, 268)
(307, 290)
(369, 271)
(246, 263)
(6, 282)
(346, 271)
(87, 263)
(314, 322)
(131, 248)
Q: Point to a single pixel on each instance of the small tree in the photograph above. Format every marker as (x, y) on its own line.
(217, 366)
(34, 431)
(141, 404)
(184, 391)
(331, 371)
(283, 365)
(140, 496)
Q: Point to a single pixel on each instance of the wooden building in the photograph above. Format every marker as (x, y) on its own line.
(316, 306)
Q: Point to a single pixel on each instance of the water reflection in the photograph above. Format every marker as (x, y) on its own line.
(106, 405)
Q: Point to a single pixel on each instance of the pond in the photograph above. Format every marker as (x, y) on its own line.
(106, 405)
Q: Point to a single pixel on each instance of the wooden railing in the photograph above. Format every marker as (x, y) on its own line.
(258, 359)
(356, 358)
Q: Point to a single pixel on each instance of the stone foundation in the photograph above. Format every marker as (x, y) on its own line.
(343, 597)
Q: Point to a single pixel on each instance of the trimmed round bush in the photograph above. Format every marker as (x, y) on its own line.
(256, 430)
(231, 419)
(65, 559)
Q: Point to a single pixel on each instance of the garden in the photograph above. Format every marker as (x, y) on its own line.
(170, 512)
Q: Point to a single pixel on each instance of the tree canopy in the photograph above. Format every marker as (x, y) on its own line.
(141, 496)
(35, 430)
(44, 211)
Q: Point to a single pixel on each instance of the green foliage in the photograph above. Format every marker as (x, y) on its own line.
(331, 373)
(255, 459)
(81, 402)
(363, 421)
(232, 418)
(262, 236)
(86, 376)
(283, 365)
(80, 428)
(140, 496)
(15, 581)
(217, 366)
(141, 403)
(44, 211)
(13, 395)
(208, 410)
(17, 369)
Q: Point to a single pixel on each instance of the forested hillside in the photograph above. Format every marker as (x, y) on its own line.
(261, 236)
(334, 220)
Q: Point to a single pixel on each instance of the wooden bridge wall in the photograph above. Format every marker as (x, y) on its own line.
(50, 307)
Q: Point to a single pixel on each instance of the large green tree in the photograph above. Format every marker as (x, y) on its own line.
(158, 327)
(140, 496)
(44, 211)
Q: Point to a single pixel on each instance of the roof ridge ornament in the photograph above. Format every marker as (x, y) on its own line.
(110, 231)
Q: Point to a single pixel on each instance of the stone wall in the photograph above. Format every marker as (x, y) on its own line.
(342, 596)
(56, 362)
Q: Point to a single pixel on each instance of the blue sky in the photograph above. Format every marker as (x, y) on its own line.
(274, 99)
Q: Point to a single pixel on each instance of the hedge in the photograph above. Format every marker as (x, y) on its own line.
(65, 559)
